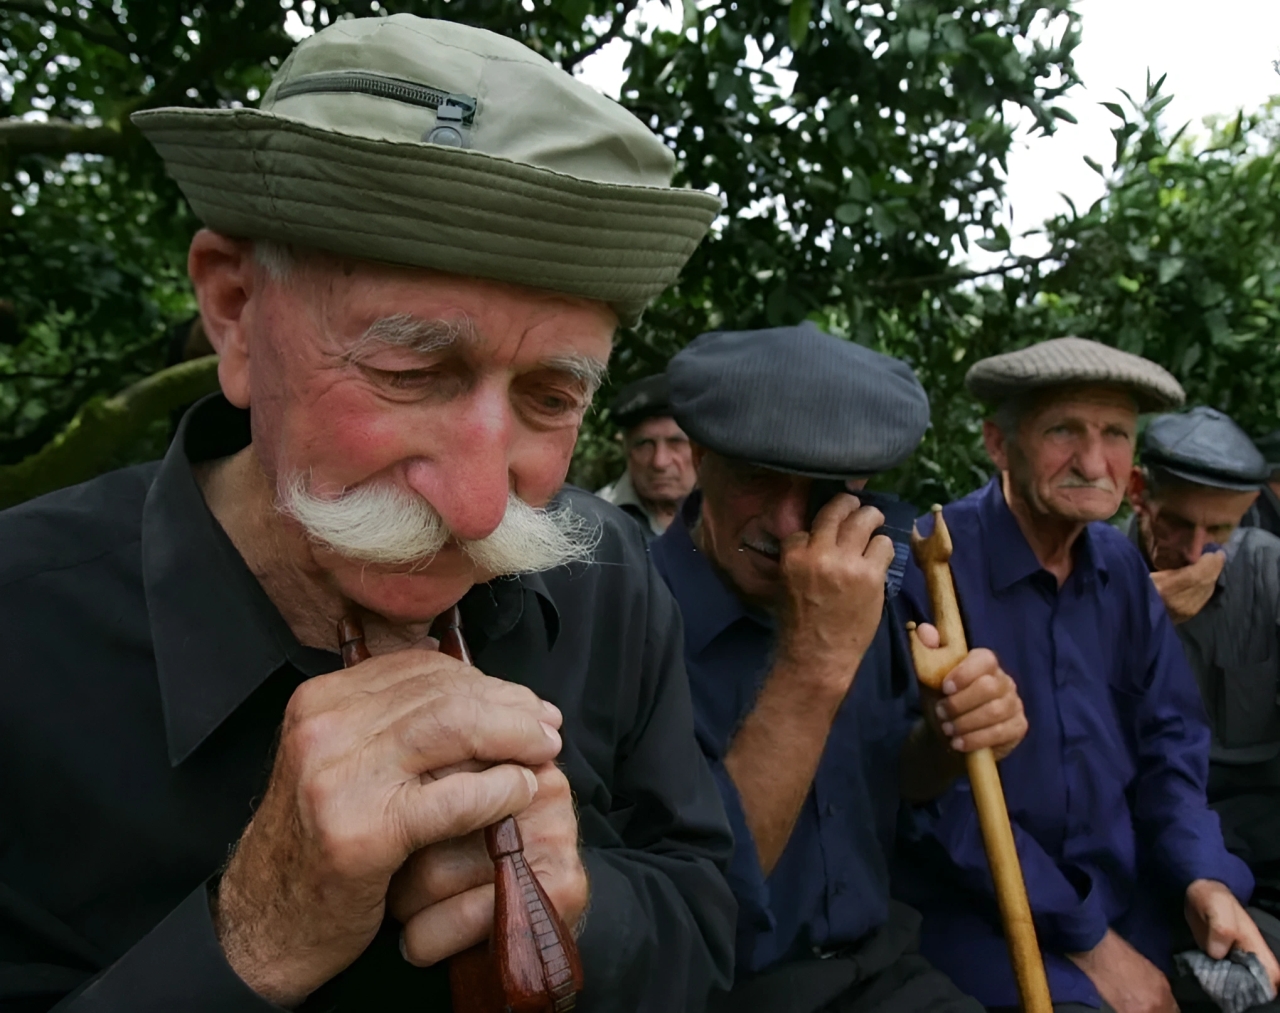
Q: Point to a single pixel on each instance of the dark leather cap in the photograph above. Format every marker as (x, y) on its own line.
(644, 399)
(798, 400)
(1205, 447)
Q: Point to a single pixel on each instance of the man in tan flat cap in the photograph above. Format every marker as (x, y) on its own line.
(415, 257)
(1107, 792)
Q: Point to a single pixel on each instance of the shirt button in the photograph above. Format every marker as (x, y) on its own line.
(831, 809)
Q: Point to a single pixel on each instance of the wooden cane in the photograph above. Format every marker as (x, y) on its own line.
(933, 665)
(530, 964)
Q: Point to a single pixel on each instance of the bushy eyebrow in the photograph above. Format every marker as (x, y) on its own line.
(428, 336)
(583, 368)
(417, 334)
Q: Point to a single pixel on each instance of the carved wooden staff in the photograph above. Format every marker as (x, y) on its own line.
(530, 964)
(933, 665)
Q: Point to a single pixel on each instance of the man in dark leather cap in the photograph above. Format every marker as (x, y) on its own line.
(659, 471)
(804, 695)
(1221, 584)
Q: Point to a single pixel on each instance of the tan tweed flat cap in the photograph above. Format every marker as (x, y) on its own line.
(1071, 361)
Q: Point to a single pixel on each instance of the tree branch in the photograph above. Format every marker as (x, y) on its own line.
(58, 137)
(922, 280)
(614, 30)
(36, 10)
(103, 428)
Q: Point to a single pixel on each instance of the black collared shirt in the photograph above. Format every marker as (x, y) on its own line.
(141, 688)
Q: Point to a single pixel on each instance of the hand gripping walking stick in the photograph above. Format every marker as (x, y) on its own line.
(530, 964)
(933, 665)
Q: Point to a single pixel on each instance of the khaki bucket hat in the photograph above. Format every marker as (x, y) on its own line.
(432, 144)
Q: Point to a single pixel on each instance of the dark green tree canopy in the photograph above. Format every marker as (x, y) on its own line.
(852, 177)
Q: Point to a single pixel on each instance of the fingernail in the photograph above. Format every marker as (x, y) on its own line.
(533, 787)
(957, 744)
(552, 734)
(948, 687)
(947, 728)
(941, 711)
(553, 712)
(404, 950)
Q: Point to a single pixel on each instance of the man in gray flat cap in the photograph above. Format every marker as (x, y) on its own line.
(1220, 582)
(659, 470)
(1107, 793)
(803, 689)
(415, 257)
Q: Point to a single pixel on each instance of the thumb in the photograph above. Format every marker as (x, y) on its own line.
(1217, 941)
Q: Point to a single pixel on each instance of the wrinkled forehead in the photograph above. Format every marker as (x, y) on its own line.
(1084, 402)
(369, 305)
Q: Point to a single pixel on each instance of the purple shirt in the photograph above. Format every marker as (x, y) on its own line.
(1107, 791)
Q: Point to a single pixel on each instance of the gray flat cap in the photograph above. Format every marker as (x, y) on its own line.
(1205, 447)
(1063, 361)
(644, 399)
(798, 400)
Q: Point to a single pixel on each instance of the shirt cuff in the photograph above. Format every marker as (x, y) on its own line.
(178, 965)
(745, 877)
(1185, 867)
(1077, 928)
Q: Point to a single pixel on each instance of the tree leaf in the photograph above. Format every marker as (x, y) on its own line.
(798, 21)
(848, 214)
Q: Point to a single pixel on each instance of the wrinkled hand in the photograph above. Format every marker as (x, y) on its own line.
(834, 577)
(979, 707)
(1126, 979)
(444, 893)
(1186, 590)
(1218, 922)
(351, 797)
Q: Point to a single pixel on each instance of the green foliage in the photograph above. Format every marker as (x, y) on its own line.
(1179, 262)
(846, 194)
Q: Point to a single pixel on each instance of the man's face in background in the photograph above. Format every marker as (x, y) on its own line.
(1177, 520)
(659, 460)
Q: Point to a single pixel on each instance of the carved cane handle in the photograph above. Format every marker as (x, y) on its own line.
(531, 963)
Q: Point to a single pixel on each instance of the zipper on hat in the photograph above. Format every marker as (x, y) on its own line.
(455, 113)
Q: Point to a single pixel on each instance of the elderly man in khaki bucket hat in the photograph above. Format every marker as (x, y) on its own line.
(415, 257)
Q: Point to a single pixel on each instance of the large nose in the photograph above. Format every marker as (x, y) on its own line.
(1199, 539)
(467, 478)
(663, 456)
(789, 510)
(1092, 459)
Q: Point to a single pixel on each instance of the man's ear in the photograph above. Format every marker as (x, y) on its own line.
(1138, 490)
(698, 453)
(223, 273)
(997, 445)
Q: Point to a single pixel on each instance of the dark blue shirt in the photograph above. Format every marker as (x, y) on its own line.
(1107, 791)
(831, 885)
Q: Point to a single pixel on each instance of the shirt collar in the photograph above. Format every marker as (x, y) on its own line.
(1016, 560)
(216, 634)
(697, 580)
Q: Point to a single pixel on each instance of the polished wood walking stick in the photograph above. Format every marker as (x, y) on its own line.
(530, 963)
(933, 665)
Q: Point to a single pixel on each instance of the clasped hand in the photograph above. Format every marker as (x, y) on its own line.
(384, 776)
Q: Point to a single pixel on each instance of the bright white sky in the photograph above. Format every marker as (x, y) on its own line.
(1218, 57)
